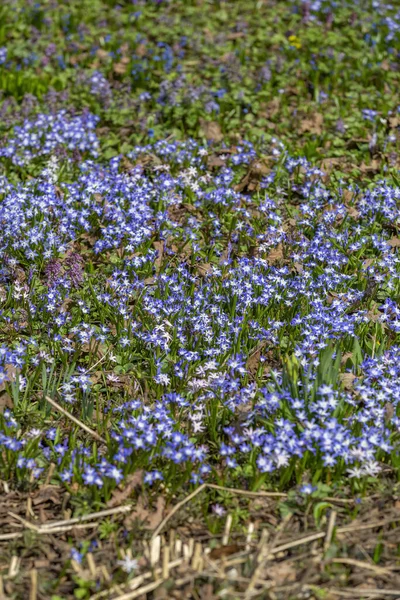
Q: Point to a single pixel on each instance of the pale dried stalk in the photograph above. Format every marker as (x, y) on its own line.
(165, 563)
(134, 583)
(96, 515)
(227, 530)
(364, 593)
(329, 531)
(363, 565)
(27, 524)
(213, 486)
(143, 590)
(67, 414)
(263, 555)
(34, 582)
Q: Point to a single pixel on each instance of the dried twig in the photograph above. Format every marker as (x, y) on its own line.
(248, 493)
(213, 486)
(9, 536)
(27, 524)
(264, 554)
(364, 593)
(329, 531)
(67, 414)
(175, 509)
(298, 542)
(143, 590)
(351, 528)
(363, 565)
(91, 516)
(136, 581)
(34, 585)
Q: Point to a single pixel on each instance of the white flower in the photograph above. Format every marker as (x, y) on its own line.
(356, 472)
(112, 378)
(128, 564)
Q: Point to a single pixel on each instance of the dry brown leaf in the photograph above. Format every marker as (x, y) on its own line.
(5, 398)
(204, 269)
(283, 572)
(141, 513)
(271, 108)
(394, 122)
(141, 50)
(346, 357)
(251, 180)
(47, 493)
(347, 380)
(215, 161)
(235, 35)
(222, 551)
(276, 254)
(374, 315)
(394, 242)
(102, 54)
(298, 267)
(373, 168)
(312, 125)
(389, 412)
(348, 195)
(254, 360)
(353, 212)
(155, 518)
(120, 68)
(368, 262)
(355, 143)
(159, 246)
(211, 130)
(119, 496)
(5, 402)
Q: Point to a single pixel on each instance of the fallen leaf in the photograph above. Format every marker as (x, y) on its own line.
(5, 398)
(211, 130)
(368, 262)
(204, 269)
(372, 168)
(394, 122)
(253, 176)
(276, 254)
(347, 380)
(312, 125)
(5, 402)
(42, 563)
(346, 357)
(348, 195)
(283, 572)
(141, 513)
(389, 412)
(298, 267)
(254, 360)
(102, 54)
(355, 143)
(120, 68)
(47, 493)
(236, 35)
(353, 212)
(223, 551)
(141, 50)
(215, 161)
(394, 242)
(374, 315)
(159, 246)
(119, 496)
